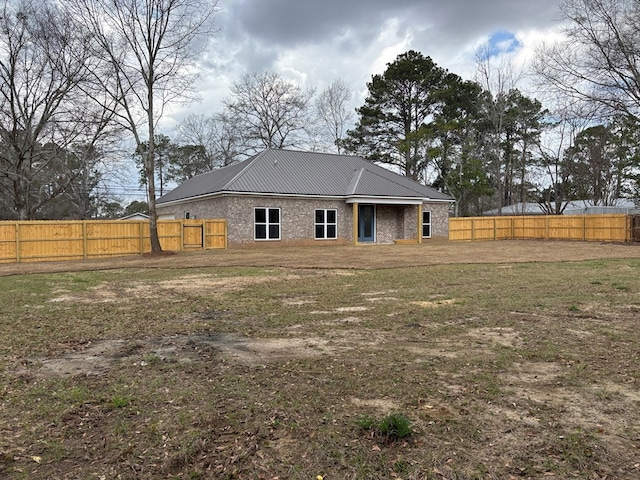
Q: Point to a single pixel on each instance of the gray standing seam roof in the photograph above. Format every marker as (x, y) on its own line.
(288, 172)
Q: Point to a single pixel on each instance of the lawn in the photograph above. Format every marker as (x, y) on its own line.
(505, 359)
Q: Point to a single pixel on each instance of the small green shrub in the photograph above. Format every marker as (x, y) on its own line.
(393, 427)
(366, 422)
(401, 467)
(119, 401)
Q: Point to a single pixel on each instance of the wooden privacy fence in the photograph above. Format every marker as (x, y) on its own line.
(35, 241)
(604, 228)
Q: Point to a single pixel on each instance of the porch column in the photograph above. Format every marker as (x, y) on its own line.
(419, 223)
(355, 223)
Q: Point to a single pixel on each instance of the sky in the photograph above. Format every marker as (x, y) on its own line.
(313, 43)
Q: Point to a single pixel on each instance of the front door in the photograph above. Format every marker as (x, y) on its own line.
(366, 223)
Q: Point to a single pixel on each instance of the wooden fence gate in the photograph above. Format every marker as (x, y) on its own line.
(635, 228)
(192, 236)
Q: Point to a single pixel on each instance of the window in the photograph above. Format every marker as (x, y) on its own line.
(426, 224)
(326, 222)
(267, 223)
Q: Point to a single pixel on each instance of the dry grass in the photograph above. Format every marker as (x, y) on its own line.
(435, 252)
(519, 360)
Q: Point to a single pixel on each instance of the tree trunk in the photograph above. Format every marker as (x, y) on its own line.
(150, 168)
(153, 215)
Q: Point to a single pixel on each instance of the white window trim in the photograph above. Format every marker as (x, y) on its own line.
(430, 223)
(325, 223)
(267, 224)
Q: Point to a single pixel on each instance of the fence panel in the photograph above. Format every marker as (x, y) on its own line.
(35, 241)
(461, 229)
(215, 234)
(106, 239)
(605, 228)
(40, 240)
(8, 244)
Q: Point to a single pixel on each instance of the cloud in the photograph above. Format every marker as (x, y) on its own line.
(314, 43)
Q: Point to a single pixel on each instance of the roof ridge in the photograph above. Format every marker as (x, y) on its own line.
(355, 180)
(308, 152)
(393, 180)
(243, 170)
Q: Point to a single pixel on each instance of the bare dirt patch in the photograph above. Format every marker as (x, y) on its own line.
(505, 336)
(100, 357)
(201, 284)
(434, 303)
(383, 405)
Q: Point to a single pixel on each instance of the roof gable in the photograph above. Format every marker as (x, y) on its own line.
(287, 172)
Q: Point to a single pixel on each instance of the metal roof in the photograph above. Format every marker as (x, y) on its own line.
(288, 172)
(575, 207)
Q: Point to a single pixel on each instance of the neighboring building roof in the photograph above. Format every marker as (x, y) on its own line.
(135, 216)
(577, 207)
(287, 172)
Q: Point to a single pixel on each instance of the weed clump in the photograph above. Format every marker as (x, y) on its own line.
(393, 427)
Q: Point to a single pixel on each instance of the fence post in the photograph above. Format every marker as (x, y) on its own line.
(18, 242)
(85, 253)
(584, 228)
(182, 235)
(495, 226)
(141, 232)
(546, 227)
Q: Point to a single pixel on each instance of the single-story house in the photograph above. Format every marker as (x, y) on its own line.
(308, 197)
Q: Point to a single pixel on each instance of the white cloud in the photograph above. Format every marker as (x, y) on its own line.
(314, 43)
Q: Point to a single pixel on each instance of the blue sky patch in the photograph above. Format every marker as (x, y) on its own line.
(502, 41)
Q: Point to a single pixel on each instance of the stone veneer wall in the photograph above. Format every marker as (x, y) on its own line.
(209, 208)
(439, 218)
(386, 223)
(297, 217)
(410, 222)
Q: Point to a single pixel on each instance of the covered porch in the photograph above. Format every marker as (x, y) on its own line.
(389, 220)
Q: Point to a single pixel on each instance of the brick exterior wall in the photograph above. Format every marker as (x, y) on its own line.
(393, 222)
(439, 218)
(410, 222)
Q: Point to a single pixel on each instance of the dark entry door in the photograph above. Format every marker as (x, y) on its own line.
(366, 223)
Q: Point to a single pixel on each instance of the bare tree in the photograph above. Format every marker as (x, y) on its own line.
(271, 111)
(332, 109)
(498, 77)
(553, 178)
(218, 134)
(148, 47)
(597, 60)
(49, 125)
